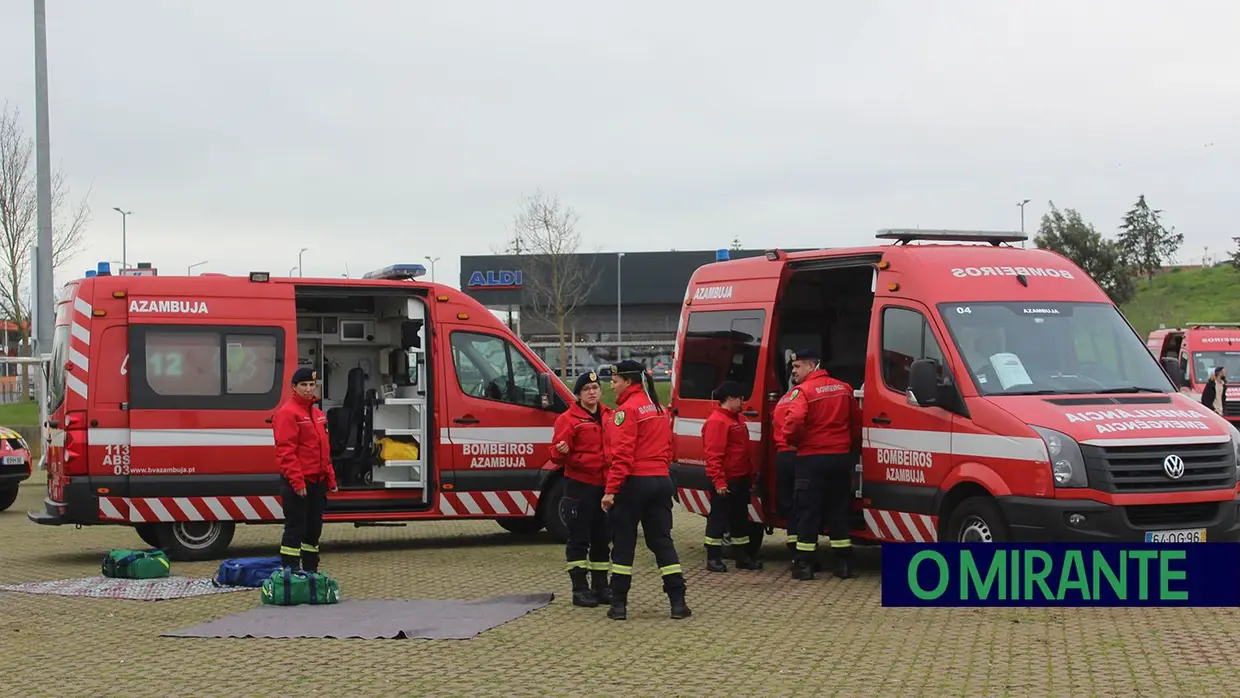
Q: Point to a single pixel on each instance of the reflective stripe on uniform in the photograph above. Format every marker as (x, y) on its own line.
(286, 550)
(713, 541)
(575, 564)
(806, 547)
(603, 566)
(306, 547)
(669, 569)
(846, 543)
(792, 538)
(622, 569)
(743, 540)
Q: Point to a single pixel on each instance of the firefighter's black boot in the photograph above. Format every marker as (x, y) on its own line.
(746, 559)
(582, 595)
(598, 584)
(714, 559)
(619, 607)
(292, 562)
(803, 569)
(843, 563)
(309, 561)
(680, 609)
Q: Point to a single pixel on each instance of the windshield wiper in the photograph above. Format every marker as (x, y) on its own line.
(1127, 389)
(1033, 392)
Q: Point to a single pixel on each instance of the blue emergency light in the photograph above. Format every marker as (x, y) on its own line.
(397, 272)
(105, 269)
(90, 273)
(721, 255)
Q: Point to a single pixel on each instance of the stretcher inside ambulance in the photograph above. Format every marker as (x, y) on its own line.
(1190, 355)
(163, 390)
(1004, 396)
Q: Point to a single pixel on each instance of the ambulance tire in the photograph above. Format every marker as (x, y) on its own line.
(526, 526)
(149, 533)
(550, 512)
(977, 520)
(7, 497)
(193, 541)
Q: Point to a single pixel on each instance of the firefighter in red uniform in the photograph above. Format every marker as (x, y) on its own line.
(824, 424)
(639, 488)
(579, 446)
(785, 464)
(730, 467)
(304, 455)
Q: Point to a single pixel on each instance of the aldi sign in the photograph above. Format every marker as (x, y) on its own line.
(495, 280)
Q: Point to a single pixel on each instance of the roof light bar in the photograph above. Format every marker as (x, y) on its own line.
(397, 272)
(904, 236)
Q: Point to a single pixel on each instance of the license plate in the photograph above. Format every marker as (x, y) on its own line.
(13, 460)
(1191, 535)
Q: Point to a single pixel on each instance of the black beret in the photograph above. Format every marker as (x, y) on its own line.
(806, 355)
(729, 389)
(304, 374)
(583, 380)
(628, 366)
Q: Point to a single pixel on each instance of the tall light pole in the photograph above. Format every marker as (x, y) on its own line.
(299, 254)
(1022, 219)
(619, 291)
(189, 271)
(44, 291)
(432, 260)
(124, 234)
(291, 270)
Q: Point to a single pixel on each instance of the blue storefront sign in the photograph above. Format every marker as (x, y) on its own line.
(495, 280)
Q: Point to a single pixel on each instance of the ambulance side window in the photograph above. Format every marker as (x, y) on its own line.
(720, 345)
(906, 337)
(491, 368)
(197, 367)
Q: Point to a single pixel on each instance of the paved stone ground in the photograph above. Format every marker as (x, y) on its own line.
(752, 633)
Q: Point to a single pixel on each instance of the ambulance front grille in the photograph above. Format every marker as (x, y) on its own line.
(1125, 469)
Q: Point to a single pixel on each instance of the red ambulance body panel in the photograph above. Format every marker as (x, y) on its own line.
(1189, 355)
(162, 391)
(1004, 396)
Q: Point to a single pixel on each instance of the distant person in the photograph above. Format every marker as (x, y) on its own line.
(639, 488)
(1215, 393)
(730, 467)
(304, 456)
(785, 464)
(580, 447)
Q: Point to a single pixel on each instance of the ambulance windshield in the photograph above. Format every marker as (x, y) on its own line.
(1051, 348)
(1207, 361)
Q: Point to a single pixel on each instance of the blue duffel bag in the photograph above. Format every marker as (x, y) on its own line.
(246, 571)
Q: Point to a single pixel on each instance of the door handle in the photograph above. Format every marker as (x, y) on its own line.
(750, 413)
(881, 419)
(267, 420)
(465, 420)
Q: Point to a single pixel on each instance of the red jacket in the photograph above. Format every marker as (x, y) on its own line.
(302, 448)
(586, 460)
(823, 417)
(725, 438)
(639, 440)
(780, 417)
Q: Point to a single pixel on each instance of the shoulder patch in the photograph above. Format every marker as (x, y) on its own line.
(618, 417)
(795, 392)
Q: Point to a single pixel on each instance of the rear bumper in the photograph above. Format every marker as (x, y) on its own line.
(80, 507)
(53, 514)
(1041, 520)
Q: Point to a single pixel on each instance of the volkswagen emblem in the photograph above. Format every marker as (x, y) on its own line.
(1174, 466)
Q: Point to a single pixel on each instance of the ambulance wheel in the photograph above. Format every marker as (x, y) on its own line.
(149, 533)
(7, 497)
(527, 526)
(552, 516)
(191, 541)
(977, 520)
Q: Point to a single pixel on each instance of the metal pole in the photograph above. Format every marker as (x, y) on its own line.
(1022, 218)
(189, 271)
(619, 295)
(432, 260)
(124, 236)
(44, 295)
(300, 272)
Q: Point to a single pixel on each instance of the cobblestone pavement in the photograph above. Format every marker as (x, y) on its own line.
(753, 633)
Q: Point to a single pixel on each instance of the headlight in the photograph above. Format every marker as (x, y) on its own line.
(1067, 463)
(1235, 446)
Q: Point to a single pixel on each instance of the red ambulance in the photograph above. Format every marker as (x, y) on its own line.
(1004, 397)
(162, 391)
(1191, 353)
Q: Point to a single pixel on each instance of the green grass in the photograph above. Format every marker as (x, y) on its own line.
(1181, 296)
(19, 414)
(663, 388)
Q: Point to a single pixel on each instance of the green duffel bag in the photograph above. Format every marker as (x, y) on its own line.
(136, 564)
(288, 588)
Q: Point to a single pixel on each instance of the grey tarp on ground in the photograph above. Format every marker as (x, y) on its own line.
(99, 587)
(371, 619)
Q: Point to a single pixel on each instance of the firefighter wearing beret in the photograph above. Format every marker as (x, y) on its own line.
(579, 446)
(639, 488)
(824, 425)
(730, 467)
(304, 456)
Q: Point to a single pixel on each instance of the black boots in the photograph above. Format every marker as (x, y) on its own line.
(292, 562)
(582, 595)
(619, 607)
(843, 566)
(310, 561)
(714, 559)
(598, 584)
(747, 559)
(680, 609)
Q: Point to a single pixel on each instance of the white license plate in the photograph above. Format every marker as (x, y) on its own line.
(13, 460)
(1190, 535)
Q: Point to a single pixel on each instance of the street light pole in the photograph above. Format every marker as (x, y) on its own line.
(432, 260)
(293, 269)
(1022, 218)
(299, 254)
(619, 295)
(44, 294)
(190, 270)
(124, 236)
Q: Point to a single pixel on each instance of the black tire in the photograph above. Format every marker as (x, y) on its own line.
(526, 526)
(149, 533)
(7, 497)
(550, 505)
(977, 520)
(193, 541)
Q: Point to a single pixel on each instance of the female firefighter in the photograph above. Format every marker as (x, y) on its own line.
(725, 439)
(579, 446)
(639, 488)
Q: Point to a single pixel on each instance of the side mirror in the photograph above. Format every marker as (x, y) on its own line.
(545, 391)
(1172, 369)
(923, 383)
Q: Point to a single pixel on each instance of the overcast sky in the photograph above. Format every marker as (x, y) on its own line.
(375, 132)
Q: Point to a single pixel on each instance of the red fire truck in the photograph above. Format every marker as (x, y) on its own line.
(162, 391)
(1004, 397)
(1191, 353)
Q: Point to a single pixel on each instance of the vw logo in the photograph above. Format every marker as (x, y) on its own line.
(1174, 466)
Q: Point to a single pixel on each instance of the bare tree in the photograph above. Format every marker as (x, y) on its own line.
(19, 216)
(556, 278)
